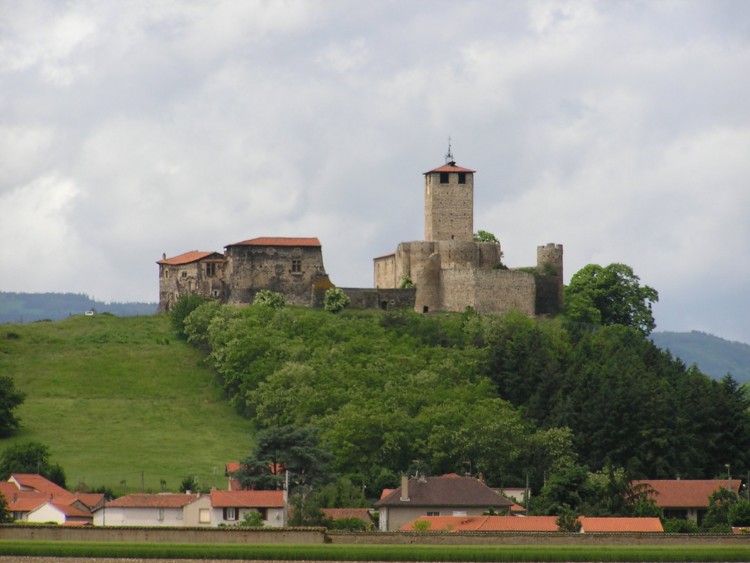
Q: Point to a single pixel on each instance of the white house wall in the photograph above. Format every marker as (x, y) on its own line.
(121, 516)
(46, 513)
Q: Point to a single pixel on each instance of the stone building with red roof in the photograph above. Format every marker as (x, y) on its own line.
(452, 271)
(292, 266)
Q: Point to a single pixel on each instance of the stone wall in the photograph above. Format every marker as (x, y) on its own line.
(385, 272)
(488, 291)
(252, 268)
(385, 299)
(179, 280)
(167, 535)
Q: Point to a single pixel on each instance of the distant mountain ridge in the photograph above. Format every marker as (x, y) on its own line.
(31, 307)
(713, 355)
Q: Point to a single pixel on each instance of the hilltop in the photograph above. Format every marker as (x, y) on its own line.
(30, 307)
(713, 355)
(114, 397)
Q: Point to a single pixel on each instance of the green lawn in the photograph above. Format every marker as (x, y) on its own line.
(116, 398)
(309, 552)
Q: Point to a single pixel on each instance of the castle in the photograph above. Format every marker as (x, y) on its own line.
(447, 271)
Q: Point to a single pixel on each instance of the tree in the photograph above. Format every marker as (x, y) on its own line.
(30, 457)
(252, 519)
(739, 514)
(268, 298)
(719, 504)
(406, 282)
(284, 448)
(335, 300)
(10, 399)
(182, 308)
(6, 517)
(484, 236)
(610, 295)
(189, 483)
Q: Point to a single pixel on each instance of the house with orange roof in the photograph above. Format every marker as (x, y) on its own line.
(191, 273)
(193, 509)
(449, 495)
(230, 507)
(33, 498)
(686, 498)
(163, 509)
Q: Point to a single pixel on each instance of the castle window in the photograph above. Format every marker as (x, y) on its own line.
(183, 275)
(296, 266)
(215, 293)
(444, 177)
(210, 269)
(462, 177)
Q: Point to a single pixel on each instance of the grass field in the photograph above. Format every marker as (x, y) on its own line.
(290, 552)
(121, 402)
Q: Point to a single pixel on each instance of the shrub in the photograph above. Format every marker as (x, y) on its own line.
(335, 300)
(182, 308)
(679, 526)
(268, 298)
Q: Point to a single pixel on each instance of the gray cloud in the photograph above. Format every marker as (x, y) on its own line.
(619, 129)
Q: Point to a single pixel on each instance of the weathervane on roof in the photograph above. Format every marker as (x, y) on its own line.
(449, 154)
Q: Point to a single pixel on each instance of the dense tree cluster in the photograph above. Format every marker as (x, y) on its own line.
(505, 396)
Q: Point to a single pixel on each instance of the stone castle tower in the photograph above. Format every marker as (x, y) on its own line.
(452, 271)
(449, 203)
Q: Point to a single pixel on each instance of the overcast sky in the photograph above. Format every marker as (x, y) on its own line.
(618, 129)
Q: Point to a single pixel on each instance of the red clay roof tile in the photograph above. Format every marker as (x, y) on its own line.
(450, 167)
(488, 523)
(686, 493)
(189, 258)
(165, 500)
(278, 241)
(590, 524)
(247, 499)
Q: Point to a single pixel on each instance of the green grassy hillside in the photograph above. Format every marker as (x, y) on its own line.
(116, 399)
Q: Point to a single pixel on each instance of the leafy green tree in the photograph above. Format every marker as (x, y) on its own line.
(335, 300)
(739, 514)
(182, 308)
(680, 526)
(281, 449)
(568, 522)
(484, 236)
(406, 282)
(10, 399)
(189, 483)
(306, 511)
(6, 517)
(268, 298)
(719, 504)
(30, 457)
(252, 519)
(610, 295)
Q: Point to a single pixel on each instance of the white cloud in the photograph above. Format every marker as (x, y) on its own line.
(619, 130)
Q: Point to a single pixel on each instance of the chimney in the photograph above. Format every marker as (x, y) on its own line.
(405, 488)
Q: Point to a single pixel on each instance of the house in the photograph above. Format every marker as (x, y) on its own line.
(686, 498)
(232, 483)
(193, 509)
(292, 266)
(449, 495)
(485, 523)
(230, 507)
(598, 525)
(164, 509)
(33, 498)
